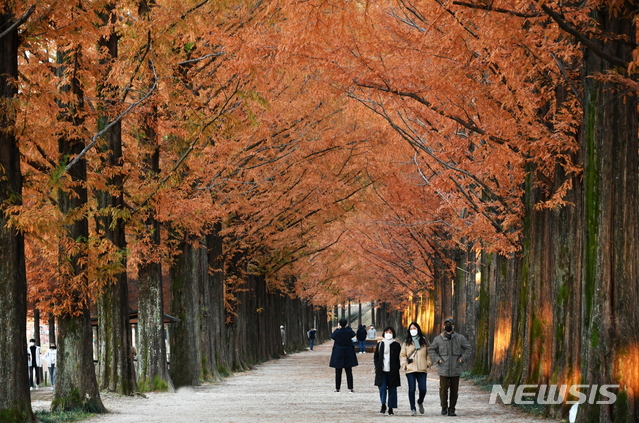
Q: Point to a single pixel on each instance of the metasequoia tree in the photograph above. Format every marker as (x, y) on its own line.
(15, 403)
(76, 384)
(504, 107)
(115, 362)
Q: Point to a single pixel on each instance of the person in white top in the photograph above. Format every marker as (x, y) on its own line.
(386, 360)
(34, 363)
(50, 357)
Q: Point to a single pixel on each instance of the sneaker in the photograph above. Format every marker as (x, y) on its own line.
(390, 412)
(337, 390)
(36, 387)
(421, 407)
(53, 388)
(352, 391)
(31, 388)
(444, 411)
(451, 413)
(413, 412)
(383, 410)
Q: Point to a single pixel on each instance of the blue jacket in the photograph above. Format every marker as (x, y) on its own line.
(343, 355)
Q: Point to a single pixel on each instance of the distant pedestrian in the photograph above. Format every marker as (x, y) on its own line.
(35, 362)
(415, 362)
(343, 355)
(51, 357)
(449, 350)
(311, 337)
(372, 333)
(361, 337)
(387, 363)
(283, 335)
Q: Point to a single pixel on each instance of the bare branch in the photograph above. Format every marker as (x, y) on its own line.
(497, 9)
(95, 138)
(563, 24)
(18, 22)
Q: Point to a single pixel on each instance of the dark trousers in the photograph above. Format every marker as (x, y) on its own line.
(416, 380)
(392, 392)
(446, 383)
(349, 377)
(32, 370)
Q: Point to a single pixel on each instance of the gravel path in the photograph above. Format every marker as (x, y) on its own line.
(297, 388)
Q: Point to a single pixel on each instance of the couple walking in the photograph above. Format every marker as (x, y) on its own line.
(449, 350)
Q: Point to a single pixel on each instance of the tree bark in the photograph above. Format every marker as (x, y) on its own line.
(184, 339)
(153, 371)
(611, 264)
(51, 325)
(115, 363)
(15, 402)
(76, 382)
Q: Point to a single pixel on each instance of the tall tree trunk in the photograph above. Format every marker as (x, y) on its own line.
(36, 324)
(373, 310)
(184, 340)
(15, 402)
(76, 382)
(214, 243)
(51, 324)
(153, 371)
(207, 319)
(611, 293)
(115, 363)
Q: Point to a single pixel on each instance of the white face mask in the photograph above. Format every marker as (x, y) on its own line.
(388, 335)
(32, 343)
(413, 332)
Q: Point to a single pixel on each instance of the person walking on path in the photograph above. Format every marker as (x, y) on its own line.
(415, 361)
(343, 355)
(449, 350)
(311, 337)
(386, 360)
(51, 357)
(35, 362)
(283, 335)
(372, 333)
(361, 337)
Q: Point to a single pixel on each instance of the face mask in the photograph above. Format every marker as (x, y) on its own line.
(53, 347)
(448, 328)
(413, 332)
(32, 343)
(388, 335)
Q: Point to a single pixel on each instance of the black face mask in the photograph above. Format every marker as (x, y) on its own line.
(448, 328)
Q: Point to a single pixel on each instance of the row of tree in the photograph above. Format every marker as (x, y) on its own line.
(139, 148)
(471, 159)
(516, 211)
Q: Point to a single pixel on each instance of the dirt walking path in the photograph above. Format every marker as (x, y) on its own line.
(298, 388)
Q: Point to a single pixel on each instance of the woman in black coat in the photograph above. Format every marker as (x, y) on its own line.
(343, 355)
(386, 359)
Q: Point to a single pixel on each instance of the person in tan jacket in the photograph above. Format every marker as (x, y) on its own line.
(415, 361)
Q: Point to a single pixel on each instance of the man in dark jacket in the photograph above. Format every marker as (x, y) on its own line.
(361, 337)
(449, 350)
(311, 337)
(343, 355)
